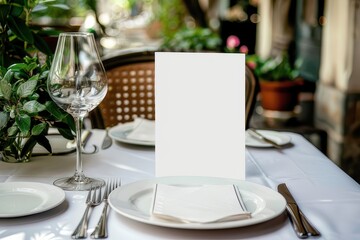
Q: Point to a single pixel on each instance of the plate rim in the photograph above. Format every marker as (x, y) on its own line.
(196, 226)
(268, 145)
(44, 188)
(126, 127)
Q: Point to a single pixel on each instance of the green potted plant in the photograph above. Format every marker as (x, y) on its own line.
(26, 109)
(192, 39)
(17, 38)
(279, 81)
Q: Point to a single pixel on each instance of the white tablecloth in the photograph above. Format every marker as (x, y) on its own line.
(327, 196)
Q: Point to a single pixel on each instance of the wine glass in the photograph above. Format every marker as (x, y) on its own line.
(77, 83)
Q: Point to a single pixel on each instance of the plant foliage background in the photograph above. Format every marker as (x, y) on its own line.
(26, 109)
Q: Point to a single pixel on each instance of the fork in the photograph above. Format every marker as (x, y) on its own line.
(101, 228)
(93, 199)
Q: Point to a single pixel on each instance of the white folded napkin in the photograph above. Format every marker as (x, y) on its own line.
(198, 204)
(144, 130)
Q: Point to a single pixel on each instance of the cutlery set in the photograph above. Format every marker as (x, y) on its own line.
(95, 198)
(85, 137)
(301, 225)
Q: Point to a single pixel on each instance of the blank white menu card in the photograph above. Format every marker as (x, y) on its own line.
(200, 114)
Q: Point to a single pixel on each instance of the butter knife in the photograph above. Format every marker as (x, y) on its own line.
(261, 137)
(107, 142)
(301, 225)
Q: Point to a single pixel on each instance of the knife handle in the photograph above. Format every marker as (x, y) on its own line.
(312, 231)
(295, 217)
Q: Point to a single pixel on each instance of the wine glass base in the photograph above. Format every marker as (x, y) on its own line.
(73, 184)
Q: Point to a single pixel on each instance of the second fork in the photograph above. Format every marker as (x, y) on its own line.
(93, 199)
(101, 228)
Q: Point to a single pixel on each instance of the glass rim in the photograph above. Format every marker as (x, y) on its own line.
(76, 34)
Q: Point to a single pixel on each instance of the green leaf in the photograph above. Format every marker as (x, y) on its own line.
(5, 89)
(55, 110)
(20, 75)
(18, 66)
(35, 77)
(4, 11)
(38, 129)
(3, 70)
(31, 66)
(28, 146)
(34, 96)
(33, 107)
(69, 120)
(26, 89)
(12, 131)
(16, 11)
(44, 75)
(30, 4)
(4, 118)
(20, 29)
(64, 130)
(41, 44)
(43, 141)
(8, 76)
(61, 6)
(66, 133)
(40, 7)
(24, 123)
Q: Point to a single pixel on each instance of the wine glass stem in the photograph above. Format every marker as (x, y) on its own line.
(79, 175)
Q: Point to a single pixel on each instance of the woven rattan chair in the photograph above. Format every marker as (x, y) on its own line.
(131, 90)
(251, 92)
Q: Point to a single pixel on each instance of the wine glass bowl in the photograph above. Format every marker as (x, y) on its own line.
(77, 83)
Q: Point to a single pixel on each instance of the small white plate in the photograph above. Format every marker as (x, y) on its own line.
(279, 138)
(134, 201)
(120, 132)
(26, 198)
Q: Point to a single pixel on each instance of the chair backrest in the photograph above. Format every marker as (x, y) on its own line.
(131, 90)
(251, 91)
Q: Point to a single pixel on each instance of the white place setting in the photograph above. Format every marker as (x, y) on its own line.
(140, 132)
(186, 175)
(136, 166)
(271, 138)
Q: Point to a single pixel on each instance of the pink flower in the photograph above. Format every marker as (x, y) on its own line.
(244, 49)
(232, 41)
(251, 65)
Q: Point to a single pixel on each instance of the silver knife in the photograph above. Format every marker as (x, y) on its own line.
(301, 225)
(261, 137)
(107, 142)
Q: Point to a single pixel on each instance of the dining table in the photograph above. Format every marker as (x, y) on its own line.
(327, 195)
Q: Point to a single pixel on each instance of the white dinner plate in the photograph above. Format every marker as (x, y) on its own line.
(278, 137)
(134, 201)
(25, 198)
(120, 132)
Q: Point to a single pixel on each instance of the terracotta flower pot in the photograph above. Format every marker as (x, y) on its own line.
(279, 95)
